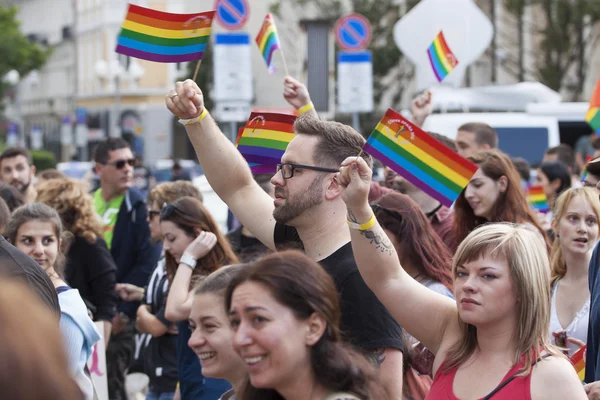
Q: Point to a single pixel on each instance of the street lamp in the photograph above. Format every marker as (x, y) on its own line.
(12, 78)
(113, 71)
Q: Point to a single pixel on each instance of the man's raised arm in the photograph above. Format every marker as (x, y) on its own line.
(226, 170)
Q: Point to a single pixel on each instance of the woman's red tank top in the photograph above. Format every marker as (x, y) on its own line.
(517, 389)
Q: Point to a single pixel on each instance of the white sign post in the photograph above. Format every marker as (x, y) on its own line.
(355, 84)
(233, 90)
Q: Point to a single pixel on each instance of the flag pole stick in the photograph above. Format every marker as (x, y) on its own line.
(196, 70)
(359, 154)
(285, 68)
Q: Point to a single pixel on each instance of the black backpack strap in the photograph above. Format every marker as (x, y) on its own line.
(510, 379)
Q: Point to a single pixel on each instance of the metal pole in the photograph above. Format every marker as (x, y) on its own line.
(233, 130)
(356, 122)
(115, 129)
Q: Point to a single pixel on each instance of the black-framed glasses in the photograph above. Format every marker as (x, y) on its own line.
(287, 169)
(120, 164)
(585, 183)
(153, 213)
(377, 208)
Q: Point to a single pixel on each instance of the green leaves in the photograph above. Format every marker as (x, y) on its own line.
(16, 51)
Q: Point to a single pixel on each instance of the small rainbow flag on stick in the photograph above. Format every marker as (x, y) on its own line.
(441, 57)
(578, 362)
(164, 37)
(264, 140)
(537, 199)
(593, 115)
(419, 158)
(268, 41)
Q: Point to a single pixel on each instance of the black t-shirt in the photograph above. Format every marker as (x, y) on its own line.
(16, 264)
(365, 322)
(160, 359)
(248, 249)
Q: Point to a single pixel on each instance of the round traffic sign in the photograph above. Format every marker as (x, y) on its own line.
(353, 32)
(232, 14)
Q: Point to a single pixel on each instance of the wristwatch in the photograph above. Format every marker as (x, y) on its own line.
(188, 260)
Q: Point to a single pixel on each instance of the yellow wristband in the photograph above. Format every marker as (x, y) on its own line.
(306, 108)
(362, 227)
(199, 118)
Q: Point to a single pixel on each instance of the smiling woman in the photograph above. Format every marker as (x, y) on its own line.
(494, 194)
(285, 316)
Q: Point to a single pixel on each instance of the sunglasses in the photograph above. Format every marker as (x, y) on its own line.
(120, 164)
(377, 208)
(168, 210)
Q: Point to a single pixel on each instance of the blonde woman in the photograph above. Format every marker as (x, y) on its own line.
(493, 340)
(576, 216)
(90, 267)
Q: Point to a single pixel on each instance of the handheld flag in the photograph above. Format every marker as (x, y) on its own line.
(537, 199)
(593, 115)
(419, 158)
(164, 37)
(264, 139)
(578, 362)
(268, 41)
(441, 57)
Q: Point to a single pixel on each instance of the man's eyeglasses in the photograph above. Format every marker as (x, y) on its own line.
(287, 169)
(377, 208)
(588, 184)
(120, 164)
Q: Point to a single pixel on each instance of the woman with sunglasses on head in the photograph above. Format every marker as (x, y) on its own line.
(194, 248)
(493, 194)
(160, 357)
(493, 341)
(90, 267)
(36, 230)
(576, 216)
(212, 335)
(285, 315)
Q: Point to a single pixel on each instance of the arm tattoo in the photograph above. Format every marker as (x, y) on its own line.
(376, 356)
(382, 243)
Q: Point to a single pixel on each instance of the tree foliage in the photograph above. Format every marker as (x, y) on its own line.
(566, 30)
(16, 51)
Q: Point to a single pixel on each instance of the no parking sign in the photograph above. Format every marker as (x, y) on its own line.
(232, 14)
(353, 32)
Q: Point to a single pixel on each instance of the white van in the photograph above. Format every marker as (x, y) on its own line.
(519, 134)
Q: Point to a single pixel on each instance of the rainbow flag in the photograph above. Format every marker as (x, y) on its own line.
(164, 37)
(419, 158)
(593, 115)
(578, 362)
(441, 57)
(255, 167)
(264, 139)
(268, 41)
(537, 199)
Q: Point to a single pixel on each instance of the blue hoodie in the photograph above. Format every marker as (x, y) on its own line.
(79, 334)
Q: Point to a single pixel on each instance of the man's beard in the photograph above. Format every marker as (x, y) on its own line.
(20, 186)
(295, 206)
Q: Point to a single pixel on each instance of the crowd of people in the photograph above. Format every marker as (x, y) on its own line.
(333, 287)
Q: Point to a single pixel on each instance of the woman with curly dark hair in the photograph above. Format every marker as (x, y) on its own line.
(285, 316)
(90, 267)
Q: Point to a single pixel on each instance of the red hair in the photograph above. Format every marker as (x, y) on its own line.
(510, 206)
(418, 242)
